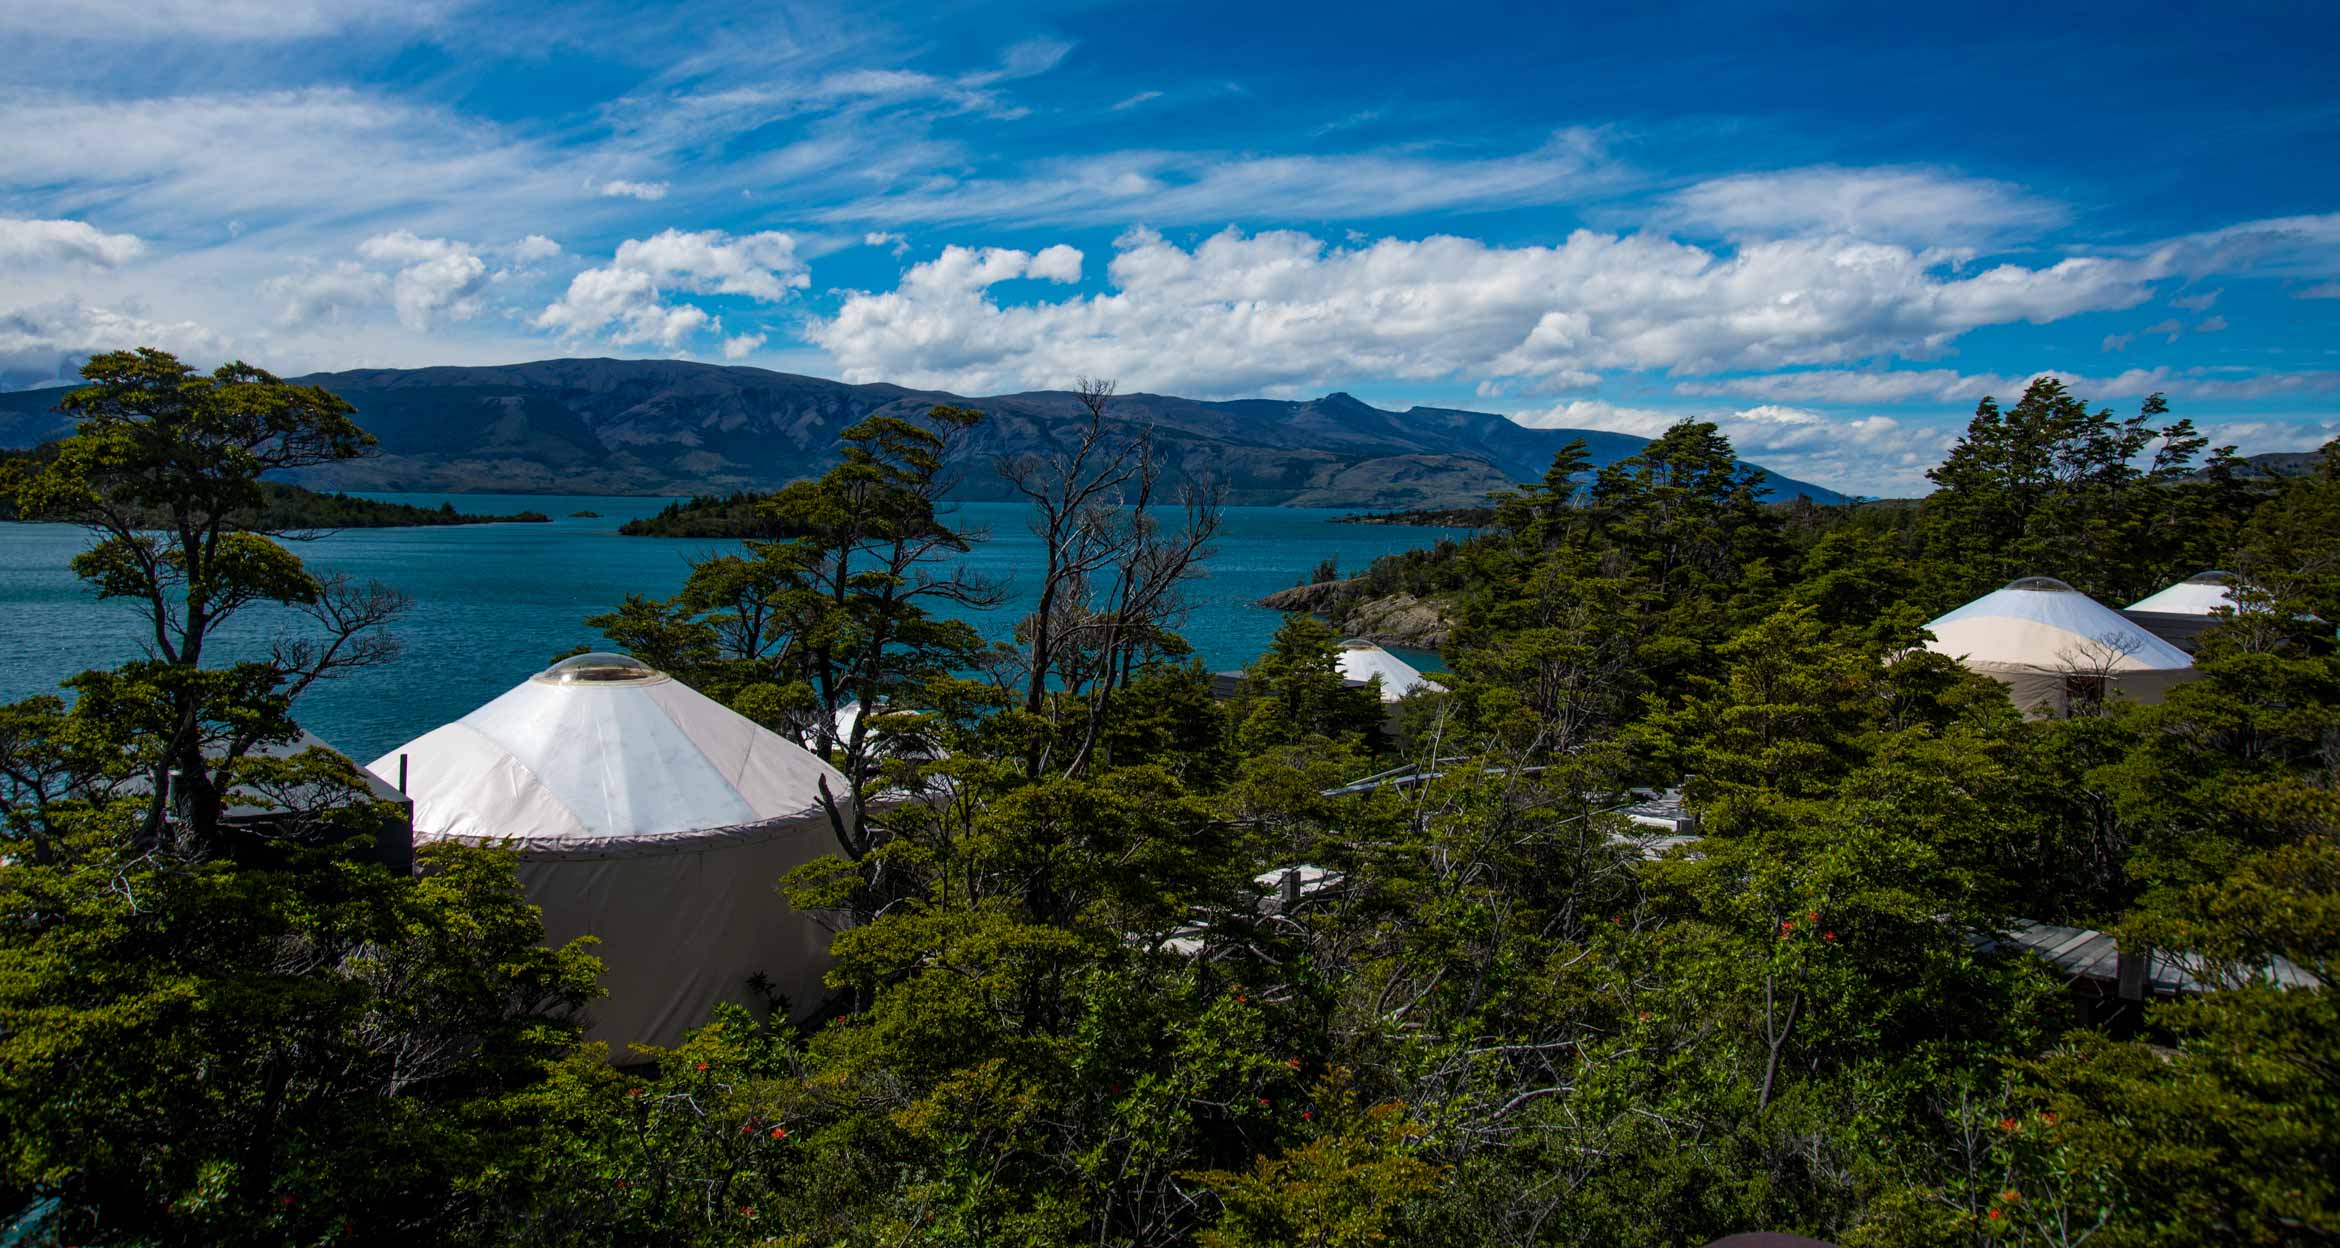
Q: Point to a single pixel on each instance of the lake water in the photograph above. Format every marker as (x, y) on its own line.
(493, 603)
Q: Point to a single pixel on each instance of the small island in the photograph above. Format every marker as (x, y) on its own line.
(1428, 517)
(584, 515)
(732, 515)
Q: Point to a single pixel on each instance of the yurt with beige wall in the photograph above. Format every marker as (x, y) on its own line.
(644, 814)
(2055, 647)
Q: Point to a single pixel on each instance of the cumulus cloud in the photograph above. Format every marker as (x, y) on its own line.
(1282, 310)
(47, 342)
(892, 242)
(325, 294)
(1923, 207)
(628, 296)
(437, 278)
(28, 243)
(620, 188)
(1941, 385)
(534, 248)
(742, 346)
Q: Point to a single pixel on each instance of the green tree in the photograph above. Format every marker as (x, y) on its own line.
(164, 467)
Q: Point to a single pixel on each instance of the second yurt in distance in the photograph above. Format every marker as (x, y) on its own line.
(649, 816)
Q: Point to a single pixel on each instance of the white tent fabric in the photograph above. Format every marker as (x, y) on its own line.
(2048, 642)
(646, 815)
(2203, 593)
(1362, 660)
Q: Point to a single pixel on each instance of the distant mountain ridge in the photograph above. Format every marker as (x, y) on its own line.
(600, 426)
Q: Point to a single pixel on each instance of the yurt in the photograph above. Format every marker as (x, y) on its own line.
(1362, 660)
(2054, 647)
(2203, 593)
(644, 814)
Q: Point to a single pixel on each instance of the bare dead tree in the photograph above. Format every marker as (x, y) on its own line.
(1111, 573)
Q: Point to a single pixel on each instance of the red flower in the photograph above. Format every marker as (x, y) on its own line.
(747, 1211)
(702, 1066)
(779, 1133)
(1828, 936)
(286, 1200)
(1240, 999)
(1617, 919)
(1992, 1214)
(621, 1183)
(2048, 1117)
(1813, 916)
(1307, 1115)
(1263, 1102)
(633, 1091)
(1292, 1062)
(2009, 1125)
(1643, 1016)
(2010, 1195)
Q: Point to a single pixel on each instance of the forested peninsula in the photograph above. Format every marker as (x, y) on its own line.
(284, 508)
(1706, 891)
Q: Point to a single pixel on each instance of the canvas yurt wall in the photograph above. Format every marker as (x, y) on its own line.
(2053, 646)
(646, 815)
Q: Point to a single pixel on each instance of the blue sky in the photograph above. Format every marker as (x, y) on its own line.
(1831, 229)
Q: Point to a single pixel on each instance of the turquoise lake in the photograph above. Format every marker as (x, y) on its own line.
(493, 603)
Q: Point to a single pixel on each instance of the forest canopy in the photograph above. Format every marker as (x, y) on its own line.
(1142, 965)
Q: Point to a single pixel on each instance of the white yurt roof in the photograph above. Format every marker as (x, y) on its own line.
(2039, 624)
(2203, 593)
(598, 747)
(1362, 660)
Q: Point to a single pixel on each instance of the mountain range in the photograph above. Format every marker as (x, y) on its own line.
(598, 426)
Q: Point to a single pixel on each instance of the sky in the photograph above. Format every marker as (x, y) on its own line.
(1830, 229)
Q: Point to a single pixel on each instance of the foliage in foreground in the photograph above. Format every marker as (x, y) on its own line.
(1079, 1006)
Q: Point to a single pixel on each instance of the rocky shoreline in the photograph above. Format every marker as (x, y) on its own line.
(1390, 620)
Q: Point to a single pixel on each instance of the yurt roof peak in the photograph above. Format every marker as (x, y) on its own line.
(2203, 593)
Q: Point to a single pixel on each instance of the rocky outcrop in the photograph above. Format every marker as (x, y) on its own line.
(1390, 620)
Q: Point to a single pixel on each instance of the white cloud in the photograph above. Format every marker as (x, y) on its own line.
(895, 243)
(628, 295)
(437, 277)
(1135, 100)
(2211, 325)
(1283, 310)
(2118, 342)
(2322, 290)
(743, 346)
(533, 248)
(621, 188)
(1922, 207)
(1941, 385)
(324, 294)
(2170, 328)
(28, 243)
(48, 342)
(1167, 188)
(2197, 303)
(139, 20)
